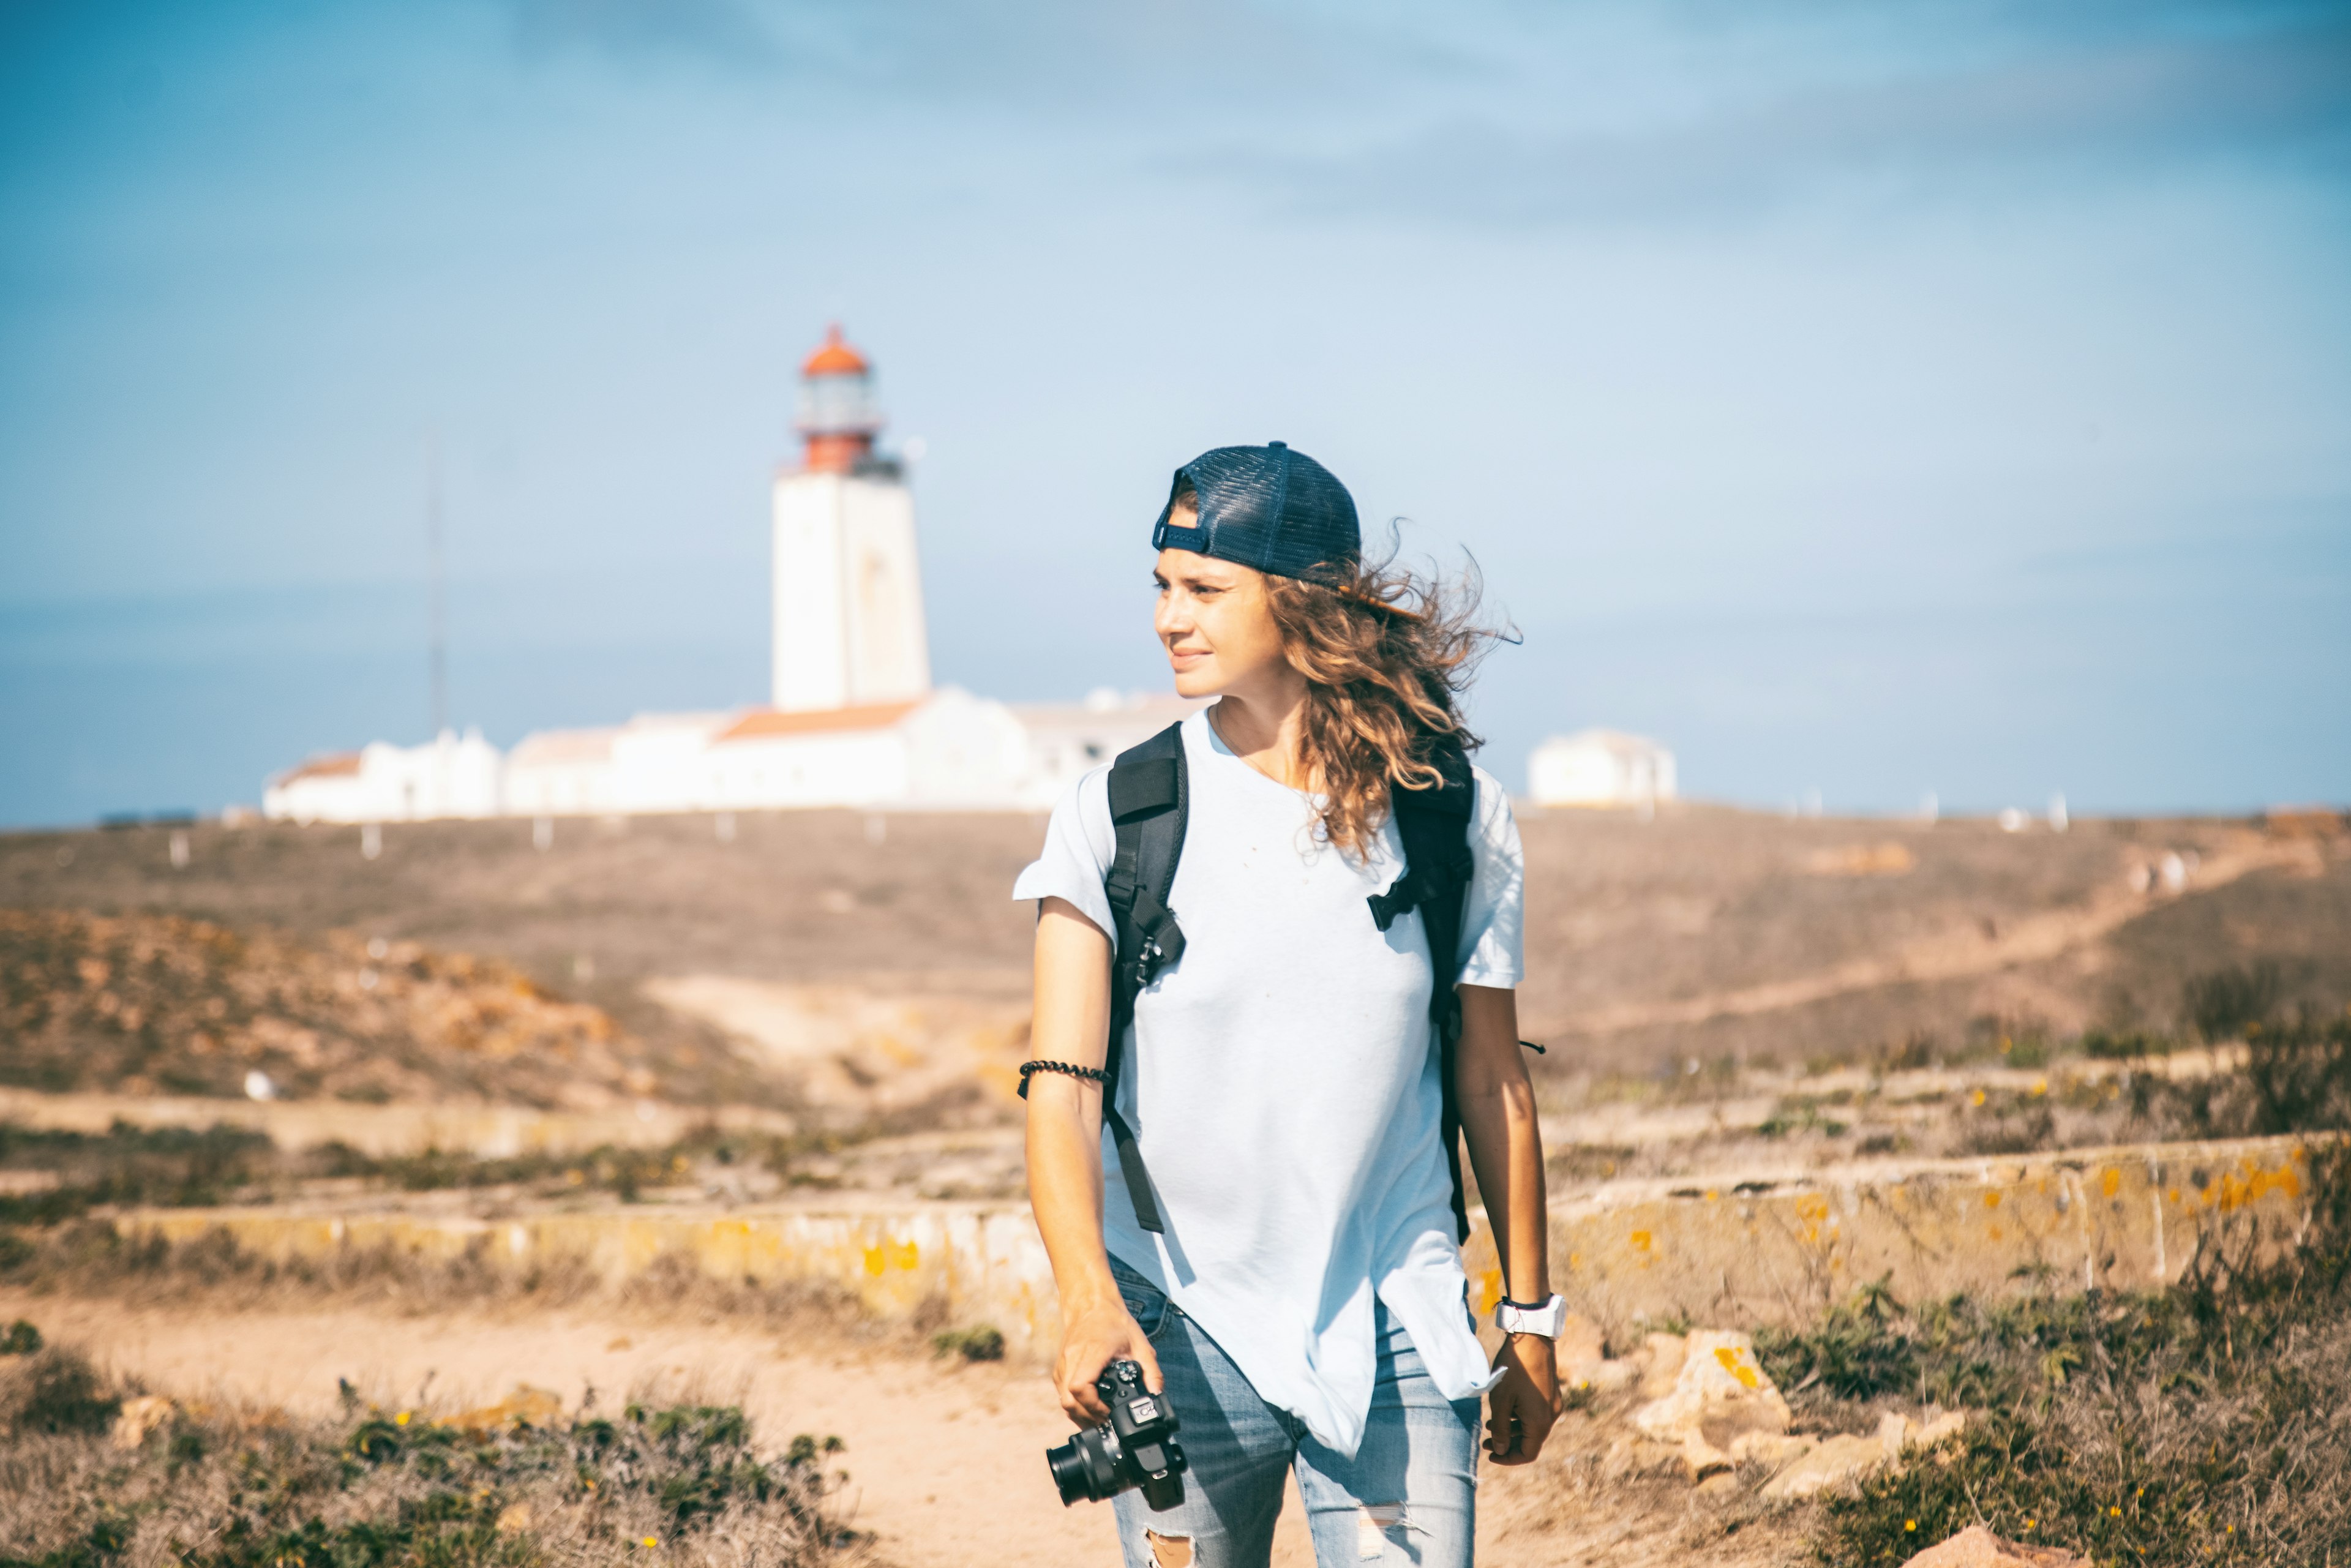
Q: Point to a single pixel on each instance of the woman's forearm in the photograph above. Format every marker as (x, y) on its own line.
(1498, 1117)
(1071, 1024)
(1065, 1180)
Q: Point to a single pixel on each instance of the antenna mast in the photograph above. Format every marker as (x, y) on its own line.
(440, 641)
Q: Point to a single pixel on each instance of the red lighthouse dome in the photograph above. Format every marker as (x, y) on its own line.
(837, 414)
(834, 357)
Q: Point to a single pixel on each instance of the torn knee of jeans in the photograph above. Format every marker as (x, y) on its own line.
(1372, 1527)
(1169, 1551)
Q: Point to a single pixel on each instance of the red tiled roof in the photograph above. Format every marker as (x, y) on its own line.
(762, 723)
(334, 765)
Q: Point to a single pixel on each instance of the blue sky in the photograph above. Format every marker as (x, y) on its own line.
(1864, 399)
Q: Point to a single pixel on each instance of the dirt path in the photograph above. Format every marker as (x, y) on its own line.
(942, 1456)
(1950, 955)
(946, 1460)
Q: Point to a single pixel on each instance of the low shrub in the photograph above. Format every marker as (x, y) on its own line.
(2227, 1003)
(376, 1489)
(53, 1392)
(984, 1341)
(2296, 1077)
(2208, 1423)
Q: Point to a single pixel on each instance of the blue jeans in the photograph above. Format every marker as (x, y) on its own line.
(1408, 1496)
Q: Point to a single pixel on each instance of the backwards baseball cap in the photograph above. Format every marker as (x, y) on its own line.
(1265, 507)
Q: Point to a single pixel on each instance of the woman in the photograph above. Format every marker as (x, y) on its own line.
(1284, 1262)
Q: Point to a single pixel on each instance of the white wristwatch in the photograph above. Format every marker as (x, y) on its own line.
(1544, 1321)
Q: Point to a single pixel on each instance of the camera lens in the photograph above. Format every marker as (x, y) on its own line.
(1085, 1469)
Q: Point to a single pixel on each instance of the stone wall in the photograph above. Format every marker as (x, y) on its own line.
(1728, 1255)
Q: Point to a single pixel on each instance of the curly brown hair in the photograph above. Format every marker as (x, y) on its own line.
(1386, 653)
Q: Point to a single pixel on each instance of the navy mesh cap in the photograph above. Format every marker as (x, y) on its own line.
(1266, 506)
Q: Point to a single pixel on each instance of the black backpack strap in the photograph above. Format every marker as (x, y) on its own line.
(1433, 823)
(1149, 797)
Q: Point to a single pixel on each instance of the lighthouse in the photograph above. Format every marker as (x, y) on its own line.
(848, 593)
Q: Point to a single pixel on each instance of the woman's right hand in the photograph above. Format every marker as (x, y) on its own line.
(1092, 1338)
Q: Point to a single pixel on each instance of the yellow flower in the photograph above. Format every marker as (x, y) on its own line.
(648, 1540)
(401, 1419)
(1909, 1524)
(2117, 1512)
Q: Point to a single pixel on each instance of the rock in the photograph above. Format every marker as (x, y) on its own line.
(1838, 1459)
(1638, 1456)
(525, 1406)
(1900, 1434)
(1976, 1547)
(1832, 1461)
(1721, 1484)
(1950, 1424)
(1600, 1376)
(1661, 1363)
(139, 1417)
(1701, 1459)
(1721, 1392)
(1580, 1343)
(1723, 1365)
(1770, 1447)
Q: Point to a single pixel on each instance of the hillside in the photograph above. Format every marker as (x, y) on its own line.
(1702, 934)
(159, 1004)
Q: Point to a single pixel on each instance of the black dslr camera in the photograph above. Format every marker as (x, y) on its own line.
(1136, 1449)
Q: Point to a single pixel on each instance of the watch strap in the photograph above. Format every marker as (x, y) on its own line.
(1544, 1321)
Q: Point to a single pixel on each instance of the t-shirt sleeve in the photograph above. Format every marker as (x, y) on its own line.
(1494, 915)
(1078, 844)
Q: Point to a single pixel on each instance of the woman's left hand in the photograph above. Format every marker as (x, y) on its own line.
(1521, 1408)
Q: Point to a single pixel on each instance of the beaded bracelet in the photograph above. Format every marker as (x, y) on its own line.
(1071, 1068)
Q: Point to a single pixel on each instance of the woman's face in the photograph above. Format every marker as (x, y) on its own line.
(1215, 621)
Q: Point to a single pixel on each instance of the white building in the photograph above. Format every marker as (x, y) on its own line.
(1600, 767)
(854, 720)
(1065, 739)
(562, 773)
(447, 777)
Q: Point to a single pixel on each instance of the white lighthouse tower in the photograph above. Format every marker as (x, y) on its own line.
(849, 596)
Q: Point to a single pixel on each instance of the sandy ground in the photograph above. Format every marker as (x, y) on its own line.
(941, 1455)
(946, 1460)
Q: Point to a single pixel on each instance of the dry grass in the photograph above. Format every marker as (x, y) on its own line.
(684, 1484)
(90, 1258)
(145, 1004)
(2209, 1423)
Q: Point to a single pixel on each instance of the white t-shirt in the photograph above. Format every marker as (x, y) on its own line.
(1281, 1078)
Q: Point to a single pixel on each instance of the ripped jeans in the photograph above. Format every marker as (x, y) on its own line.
(1408, 1496)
